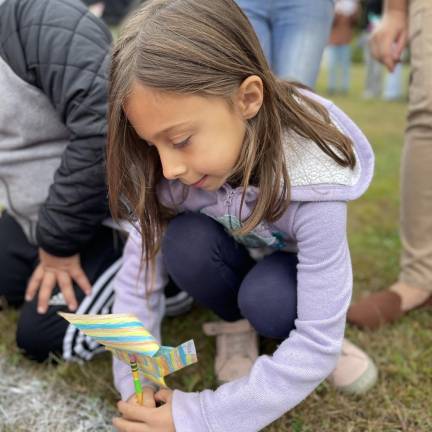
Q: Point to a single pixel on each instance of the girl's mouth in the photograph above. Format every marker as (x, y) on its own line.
(200, 182)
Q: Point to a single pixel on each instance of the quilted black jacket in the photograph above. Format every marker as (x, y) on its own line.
(59, 47)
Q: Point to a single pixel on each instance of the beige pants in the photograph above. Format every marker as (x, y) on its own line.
(416, 170)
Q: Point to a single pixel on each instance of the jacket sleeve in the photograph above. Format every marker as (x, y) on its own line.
(60, 48)
(279, 382)
(134, 296)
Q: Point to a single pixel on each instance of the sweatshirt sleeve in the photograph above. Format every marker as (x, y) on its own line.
(279, 382)
(133, 296)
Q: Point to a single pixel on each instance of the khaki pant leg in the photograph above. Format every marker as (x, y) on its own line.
(416, 169)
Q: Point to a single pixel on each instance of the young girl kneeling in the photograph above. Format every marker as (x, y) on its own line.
(216, 160)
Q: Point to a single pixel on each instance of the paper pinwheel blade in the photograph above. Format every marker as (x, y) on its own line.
(124, 334)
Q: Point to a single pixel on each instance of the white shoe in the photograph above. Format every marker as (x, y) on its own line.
(355, 372)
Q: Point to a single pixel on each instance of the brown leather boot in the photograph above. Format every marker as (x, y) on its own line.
(378, 309)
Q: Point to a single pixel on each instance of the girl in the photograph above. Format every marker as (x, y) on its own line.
(212, 156)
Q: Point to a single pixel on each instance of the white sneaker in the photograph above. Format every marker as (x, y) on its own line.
(355, 372)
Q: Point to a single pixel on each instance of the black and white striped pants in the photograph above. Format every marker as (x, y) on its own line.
(41, 335)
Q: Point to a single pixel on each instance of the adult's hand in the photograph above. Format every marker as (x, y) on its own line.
(389, 38)
(52, 271)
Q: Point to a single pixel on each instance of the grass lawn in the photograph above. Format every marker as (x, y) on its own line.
(402, 399)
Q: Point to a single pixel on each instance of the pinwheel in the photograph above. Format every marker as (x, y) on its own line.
(125, 336)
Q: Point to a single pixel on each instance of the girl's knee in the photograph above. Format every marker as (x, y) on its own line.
(186, 228)
(191, 237)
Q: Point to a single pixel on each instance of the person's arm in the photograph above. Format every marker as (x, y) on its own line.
(395, 5)
(389, 38)
(71, 68)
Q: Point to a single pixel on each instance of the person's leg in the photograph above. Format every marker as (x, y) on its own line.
(373, 77)
(393, 84)
(268, 295)
(206, 262)
(257, 12)
(345, 62)
(17, 260)
(332, 70)
(177, 302)
(300, 33)
(414, 288)
(377, 70)
(38, 335)
(416, 182)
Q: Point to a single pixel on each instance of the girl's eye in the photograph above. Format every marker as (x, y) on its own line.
(182, 144)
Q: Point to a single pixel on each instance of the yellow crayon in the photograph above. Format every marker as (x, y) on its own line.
(136, 379)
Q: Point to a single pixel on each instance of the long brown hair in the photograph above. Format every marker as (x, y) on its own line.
(205, 47)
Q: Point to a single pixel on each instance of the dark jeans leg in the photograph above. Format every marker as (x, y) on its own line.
(206, 262)
(268, 295)
(17, 260)
(218, 272)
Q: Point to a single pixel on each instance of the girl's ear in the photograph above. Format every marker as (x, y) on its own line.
(250, 96)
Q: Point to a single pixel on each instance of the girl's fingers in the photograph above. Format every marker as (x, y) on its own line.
(134, 411)
(34, 283)
(65, 285)
(149, 397)
(123, 425)
(163, 395)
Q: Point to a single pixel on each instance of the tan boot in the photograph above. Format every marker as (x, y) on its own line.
(236, 348)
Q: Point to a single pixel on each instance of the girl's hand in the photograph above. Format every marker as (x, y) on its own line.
(52, 271)
(149, 400)
(143, 418)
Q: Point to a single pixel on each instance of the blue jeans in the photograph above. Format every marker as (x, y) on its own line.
(206, 262)
(293, 34)
(339, 66)
(394, 83)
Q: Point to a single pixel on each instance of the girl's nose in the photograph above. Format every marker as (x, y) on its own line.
(172, 166)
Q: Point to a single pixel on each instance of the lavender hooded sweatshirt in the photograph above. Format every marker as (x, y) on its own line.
(314, 225)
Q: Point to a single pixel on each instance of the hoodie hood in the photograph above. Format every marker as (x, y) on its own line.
(315, 176)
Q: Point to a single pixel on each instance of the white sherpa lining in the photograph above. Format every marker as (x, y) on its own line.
(308, 165)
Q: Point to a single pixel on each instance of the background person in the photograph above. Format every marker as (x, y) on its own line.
(293, 34)
(54, 58)
(413, 288)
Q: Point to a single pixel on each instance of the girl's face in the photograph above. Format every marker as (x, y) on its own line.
(198, 138)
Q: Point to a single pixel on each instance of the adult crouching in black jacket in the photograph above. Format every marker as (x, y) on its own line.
(54, 60)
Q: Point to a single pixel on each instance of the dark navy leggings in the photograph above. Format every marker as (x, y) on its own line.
(206, 262)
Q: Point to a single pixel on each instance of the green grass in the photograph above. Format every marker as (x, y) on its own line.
(402, 399)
